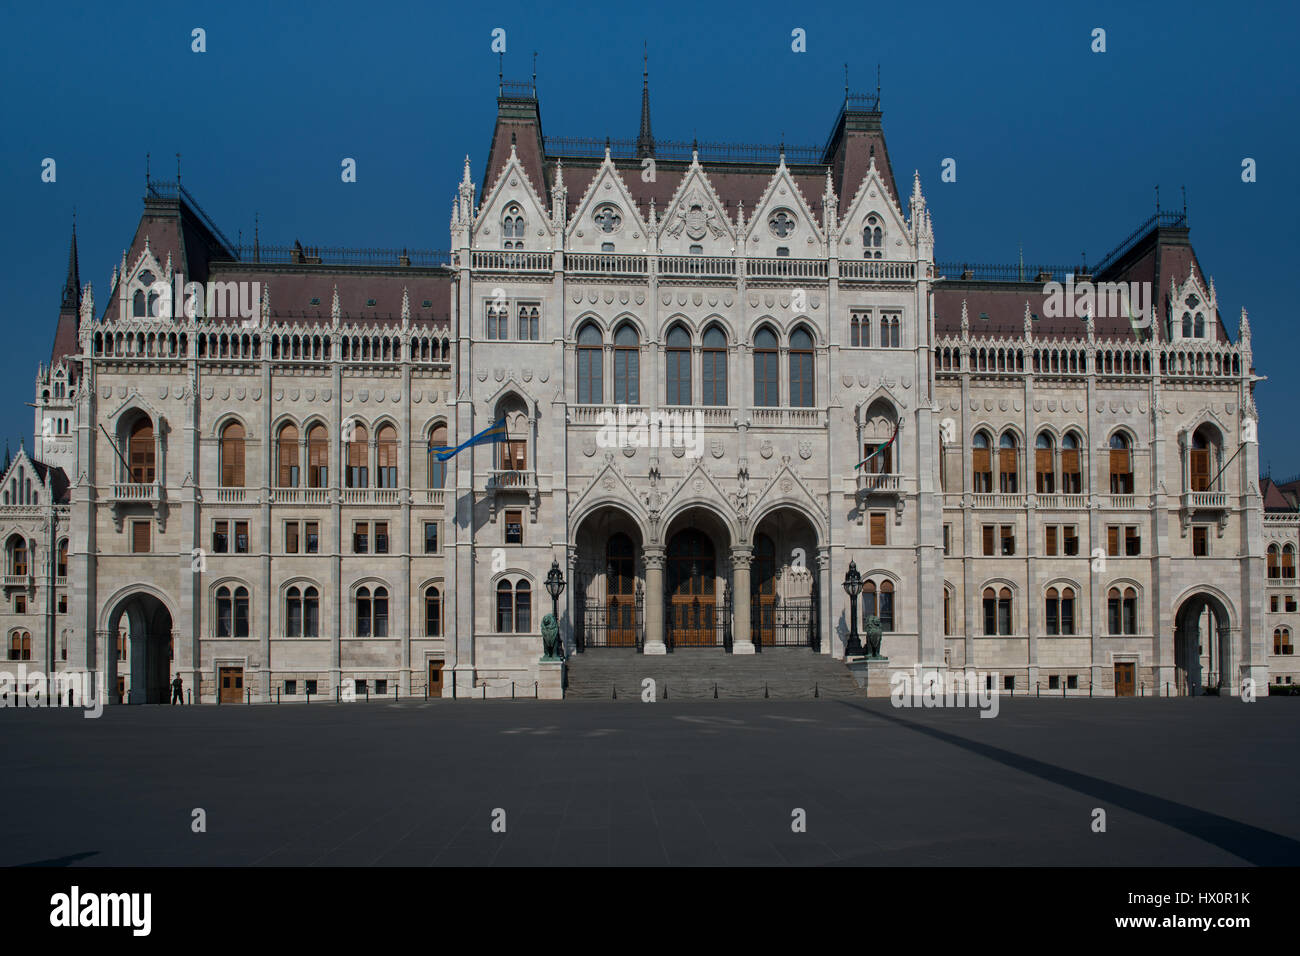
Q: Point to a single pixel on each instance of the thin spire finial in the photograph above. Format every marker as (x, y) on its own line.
(147, 176)
(877, 84)
(501, 72)
(1157, 199)
(1184, 204)
(534, 71)
(178, 169)
(846, 82)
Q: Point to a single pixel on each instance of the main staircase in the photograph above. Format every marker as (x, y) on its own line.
(693, 673)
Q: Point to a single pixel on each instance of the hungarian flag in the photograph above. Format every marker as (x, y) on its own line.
(494, 433)
(892, 439)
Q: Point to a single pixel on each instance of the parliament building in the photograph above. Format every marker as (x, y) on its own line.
(692, 347)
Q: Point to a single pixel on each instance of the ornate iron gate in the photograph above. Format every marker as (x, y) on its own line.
(604, 619)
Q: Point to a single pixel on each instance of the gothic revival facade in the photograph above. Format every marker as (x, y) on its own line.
(692, 349)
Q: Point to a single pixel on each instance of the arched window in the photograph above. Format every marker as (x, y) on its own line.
(868, 601)
(1288, 562)
(61, 568)
(310, 612)
(591, 358)
(1060, 611)
(523, 608)
(627, 366)
(358, 455)
(767, 392)
(514, 607)
(372, 612)
(1121, 611)
(1187, 325)
(1121, 465)
(232, 612)
(1071, 472)
(141, 450)
(512, 227)
(886, 605)
(997, 611)
(496, 321)
(1008, 474)
(432, 612)
(801, 369)
(981, 463)
(232, 455)
(20, 646)
(1129, 614)
(873, 238)
(1281, 641)
(1198, 471)
(18, 556)
(528, 324)
(1044, 465)
(386, 451)
(437, 469)
(137, 305)
(678, 357)
(1274, 570)
(713, 372)
(505, 607)
(287, 449)
(293, 613)
(317, 457)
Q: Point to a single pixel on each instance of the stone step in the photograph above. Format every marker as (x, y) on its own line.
(694, 673)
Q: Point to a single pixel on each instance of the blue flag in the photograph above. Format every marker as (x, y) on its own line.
(494, 433)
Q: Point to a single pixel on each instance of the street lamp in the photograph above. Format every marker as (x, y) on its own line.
(555, 587)
(853, 587)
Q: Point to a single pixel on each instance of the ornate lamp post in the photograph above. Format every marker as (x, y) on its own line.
(555, 587)
(853, 587)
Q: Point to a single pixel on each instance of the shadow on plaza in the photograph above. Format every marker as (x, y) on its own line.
(1252, 844)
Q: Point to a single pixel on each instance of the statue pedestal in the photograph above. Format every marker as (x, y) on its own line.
(872, 675)
(550, 680)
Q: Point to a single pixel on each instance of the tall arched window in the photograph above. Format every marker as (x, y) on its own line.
(1288, 562)
(437, 469)
(1282, 640)
(386, 453)
(432, 612)
(20, 646)
(141, 451)
(232, 612)
(496, 321)
(678, 357)
(886, 605)
(1044, 466)
(528, 322)
(137, 305)
(1187, 325)
(1008, 468)
(1274, 569)
(981, 463)
(317, 457)
(61, 568)
(627, 366)
(514, 607)
(591, 358)
(1199, 461)
(287, 450)
(997, 611)
(713, 372)
(1121, 465)
(512, 227)
(232, 455)
(505, 607)
(293, 613)
(372, 612)
(873, 238)
(358, 456)
(302, 612)
(523, 608)
(1059, 618)
(1071, 472)
(1121, 611)
(767, 392)
(802, 390)
(18, 556)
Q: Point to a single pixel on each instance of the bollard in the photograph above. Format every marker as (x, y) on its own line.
(817, 692)
(715, 690)
(765, 690)
(1144, 689)
(1037, 689)
(367, 692)
(485, 690)
(309, 697)
(277, 695)
(337, 698)
(534, 690)
(249, 691)
(453, 684)
(512, 690)
(1166, 688)
(1062, 691)
(613, 692)
(665, 690)
(188, 698)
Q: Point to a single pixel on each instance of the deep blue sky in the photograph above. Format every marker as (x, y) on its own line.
(1057, 148)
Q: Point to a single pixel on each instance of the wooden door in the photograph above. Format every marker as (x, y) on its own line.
(1124, 679)
(620, 592)
(435, 678)
(1200, 469)
(231, 680)
(762, 588)
(692, 580)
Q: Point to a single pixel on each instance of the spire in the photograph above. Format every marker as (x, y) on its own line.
(965, 321)
(336, 312)
(72, 284)
(1029, 325)
(645, 141)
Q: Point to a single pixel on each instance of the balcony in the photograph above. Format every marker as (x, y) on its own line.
(1120, 502)
(1207, 500)
(604, 264)
(300, 496)
(233, 496)
(499, 261)
(803, 417)
(505, 479)
(1062, 502)
(124, 495)
(436, 497)
(872, 484)
(370, 496)
(997, 500)
(23, 581)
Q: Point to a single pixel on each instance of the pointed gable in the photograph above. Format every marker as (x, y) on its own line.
(873, 224)
(695, 219)
(513, 197)
(606, 214)
(783, 220)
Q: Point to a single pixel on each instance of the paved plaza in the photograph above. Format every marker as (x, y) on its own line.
(1182, 781)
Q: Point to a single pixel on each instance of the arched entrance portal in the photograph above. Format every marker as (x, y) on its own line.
(697, 582)
(783, 584)
(1202, 646)
(608, 582)
(140, 650)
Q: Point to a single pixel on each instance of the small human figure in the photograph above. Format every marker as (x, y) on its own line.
(176, 691)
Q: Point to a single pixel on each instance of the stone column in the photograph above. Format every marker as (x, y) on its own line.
(824, 621)
(742, 641)
(654, 601)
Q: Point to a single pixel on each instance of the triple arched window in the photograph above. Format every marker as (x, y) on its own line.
(514, 607)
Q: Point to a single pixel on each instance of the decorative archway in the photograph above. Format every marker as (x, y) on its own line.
(148, 649)
(1203, 656)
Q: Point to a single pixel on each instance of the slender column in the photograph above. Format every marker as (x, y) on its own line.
(742, 641)
(654, 601)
